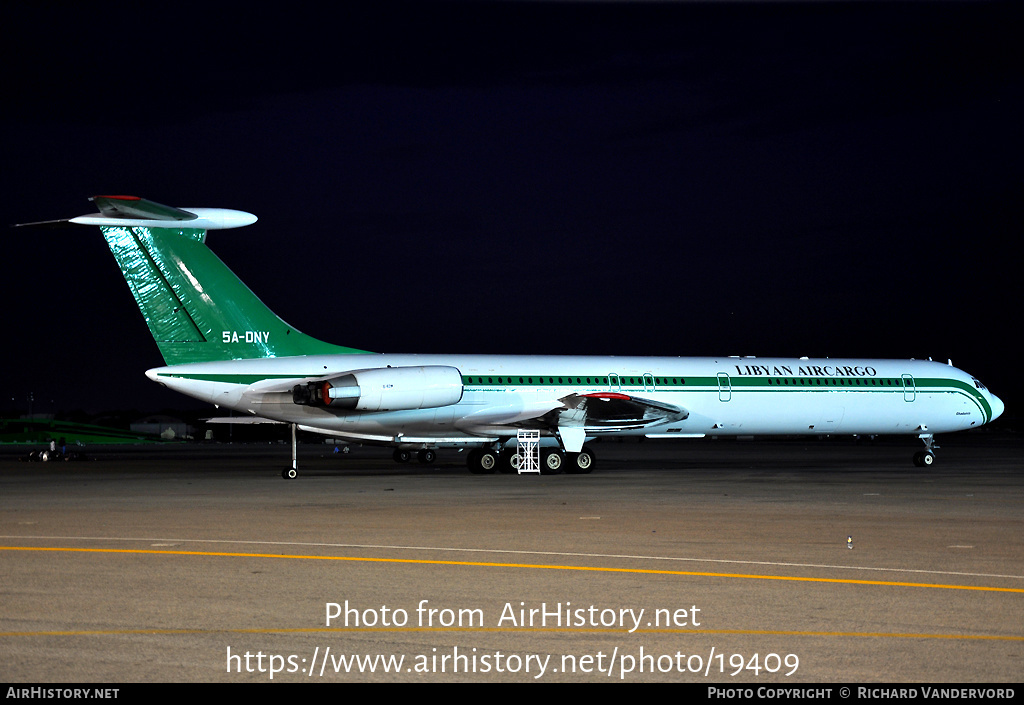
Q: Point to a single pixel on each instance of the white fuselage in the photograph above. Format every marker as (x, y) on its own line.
(721, 396)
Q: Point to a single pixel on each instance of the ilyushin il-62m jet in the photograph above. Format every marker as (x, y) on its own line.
(222, 345)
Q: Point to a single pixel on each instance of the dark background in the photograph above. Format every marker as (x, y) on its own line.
(821, 179)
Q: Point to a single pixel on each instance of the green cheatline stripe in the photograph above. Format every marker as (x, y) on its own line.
(751, 384)
(803, 383)
(669, 384)
(237, 378)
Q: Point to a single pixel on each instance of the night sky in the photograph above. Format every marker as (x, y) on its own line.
(819, 179)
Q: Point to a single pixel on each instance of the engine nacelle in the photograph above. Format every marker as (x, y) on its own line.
(384, 389)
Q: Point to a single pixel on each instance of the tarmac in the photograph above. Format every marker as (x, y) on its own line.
(738, 563)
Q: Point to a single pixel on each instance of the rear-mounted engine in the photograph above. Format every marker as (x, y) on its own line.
(384, 389)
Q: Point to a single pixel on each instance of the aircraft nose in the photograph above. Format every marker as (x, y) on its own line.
(997, 407)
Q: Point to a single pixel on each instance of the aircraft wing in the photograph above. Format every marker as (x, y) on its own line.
(590, 414)
(599, 412)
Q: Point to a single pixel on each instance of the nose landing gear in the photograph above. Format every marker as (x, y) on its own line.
(926, 458)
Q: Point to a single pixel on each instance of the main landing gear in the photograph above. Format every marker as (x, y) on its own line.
(425, 456)
(925, 458)
(484, 461)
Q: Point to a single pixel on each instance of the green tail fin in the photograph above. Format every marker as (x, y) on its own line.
(196, 308)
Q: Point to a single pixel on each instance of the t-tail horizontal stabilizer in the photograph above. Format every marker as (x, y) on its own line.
(135, 212)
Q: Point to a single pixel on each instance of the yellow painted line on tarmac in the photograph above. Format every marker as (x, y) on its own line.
(480, 564)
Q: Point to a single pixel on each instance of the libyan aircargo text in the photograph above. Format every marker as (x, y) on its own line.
(615, 664)
(544, 615)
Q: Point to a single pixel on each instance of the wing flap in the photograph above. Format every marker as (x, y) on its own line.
(612, 411)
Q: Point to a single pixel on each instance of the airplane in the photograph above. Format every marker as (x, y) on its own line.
(222, 345)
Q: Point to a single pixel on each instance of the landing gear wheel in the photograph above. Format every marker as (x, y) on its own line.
(489, 460)
(551, 462)
(482, 461)
(580, 463)
(924, 458)
(402, 455)
(509, 464)
(289, 473)
(426, 456)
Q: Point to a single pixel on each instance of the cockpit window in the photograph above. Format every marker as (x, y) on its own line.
(977, 383)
